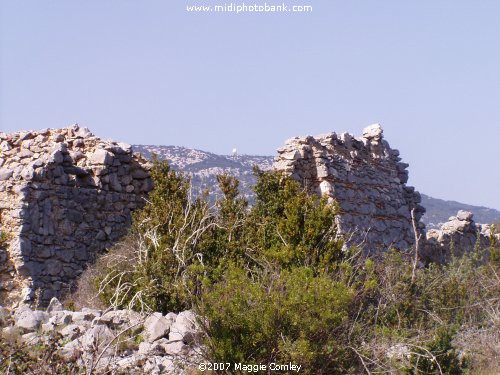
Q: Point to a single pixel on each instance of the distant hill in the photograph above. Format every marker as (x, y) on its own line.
(203, 167)
(439, 210)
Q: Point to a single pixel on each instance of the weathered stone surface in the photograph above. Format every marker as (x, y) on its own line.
(176, 348)
(117, 319)
(464, 215)
(62, 317)
(101, 157)
(48, 327)
(30, 320)
(109, 337)
(374, 131)
(459, 235)
(185, 328)
(65, 195)
(365, 177)
(86, 315)
(155, 348)
(398, 351)
(157, 326)
(96, 336)
(54, 305)
(72, 331)
(10, 331)
(5, 174)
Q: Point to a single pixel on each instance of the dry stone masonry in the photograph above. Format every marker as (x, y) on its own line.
(367, 179)
(115, 341)
(65, 195)
(460, 234)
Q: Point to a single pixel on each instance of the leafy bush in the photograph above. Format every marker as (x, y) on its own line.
(180, 243)
(290, 228)
(291, 316)
(157, 268)
(495, 243)
(275, 283)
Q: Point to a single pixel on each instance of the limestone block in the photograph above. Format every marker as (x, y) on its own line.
(185, 328)
(61, 317)
(72, 331)
(30, 320)
(176, 348)
(54, 306)
(5, 174)
(374, 131)
(101, 157)
(464, 215)
(156, 326)
(97, 336)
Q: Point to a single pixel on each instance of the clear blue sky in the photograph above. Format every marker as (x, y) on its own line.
(150, 72)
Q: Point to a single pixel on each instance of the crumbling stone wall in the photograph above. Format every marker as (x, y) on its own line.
(367, 179)
(459, 235)
(65, 195)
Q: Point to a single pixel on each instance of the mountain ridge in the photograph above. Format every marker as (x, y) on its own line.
(203, 167)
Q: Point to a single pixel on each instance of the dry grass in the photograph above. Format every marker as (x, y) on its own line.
(85, 292)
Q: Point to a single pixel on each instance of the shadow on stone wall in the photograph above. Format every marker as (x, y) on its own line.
(68, 222)
(71, 197)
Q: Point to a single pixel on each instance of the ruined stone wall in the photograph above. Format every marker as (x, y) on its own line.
(459, 235)
(365, 177)
(65, 195)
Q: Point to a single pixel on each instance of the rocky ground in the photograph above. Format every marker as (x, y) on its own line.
(122, 341)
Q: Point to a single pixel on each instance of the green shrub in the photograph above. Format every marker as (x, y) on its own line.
(179, 243)
(495, 243)
(426, 315)
(282, 317)
(291, 228)
(166, 248)
(275, 283)
(438, 356)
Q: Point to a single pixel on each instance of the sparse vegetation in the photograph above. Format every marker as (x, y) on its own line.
(17, 358)
(4, 238)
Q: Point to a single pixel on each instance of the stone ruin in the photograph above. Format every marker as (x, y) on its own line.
(367, 180)
(458, 235)
(65, 196)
